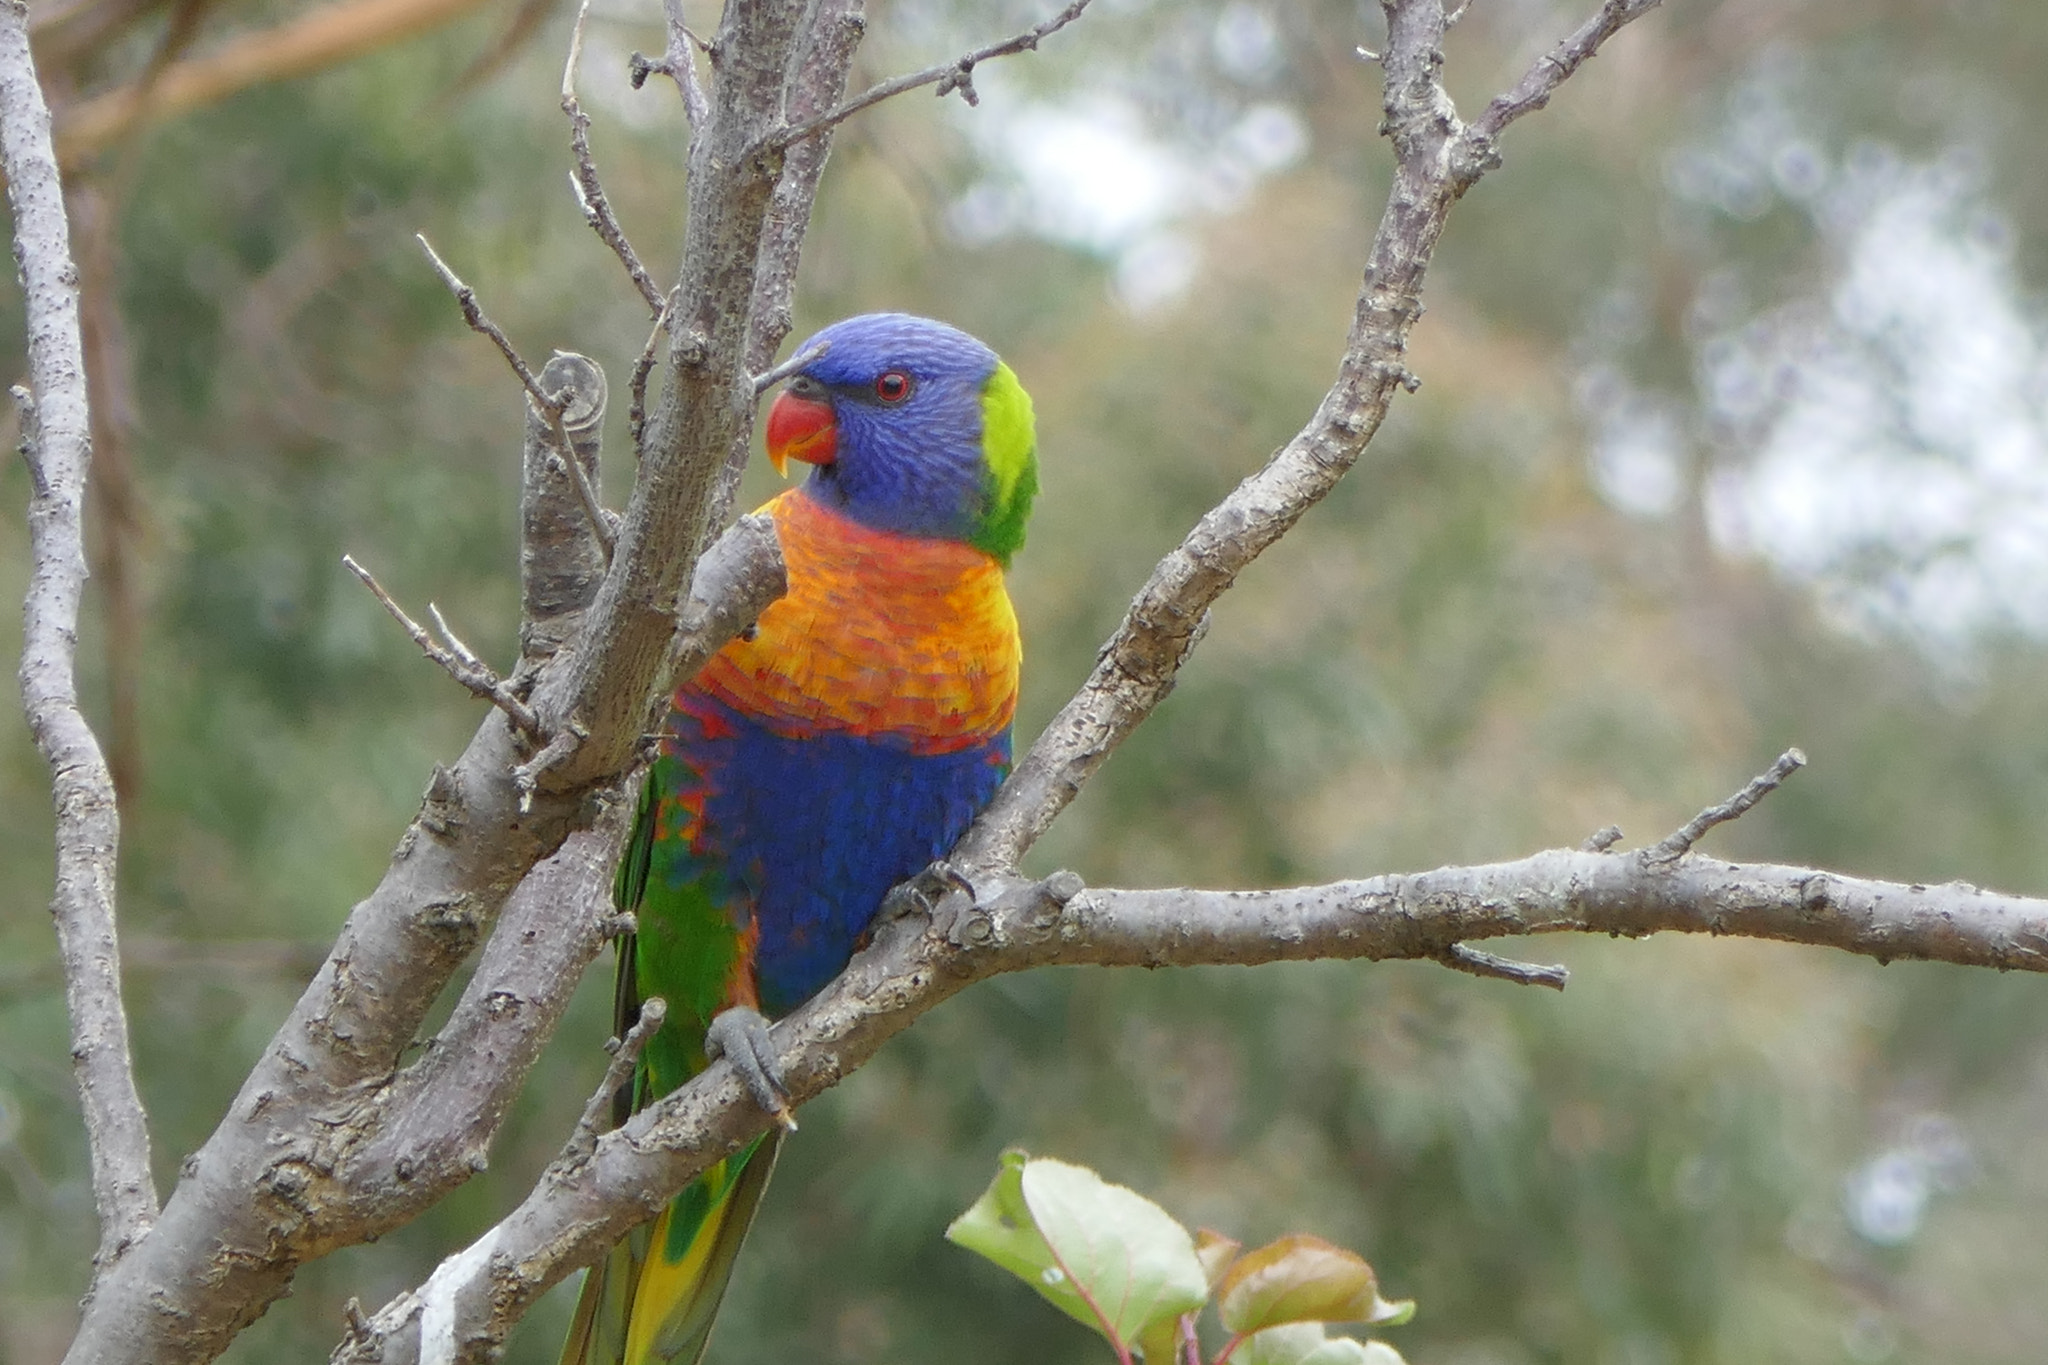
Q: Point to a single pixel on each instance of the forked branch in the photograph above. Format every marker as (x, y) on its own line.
(454, 657)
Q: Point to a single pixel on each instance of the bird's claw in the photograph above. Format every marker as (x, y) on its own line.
(740, 1035)
(923, 892)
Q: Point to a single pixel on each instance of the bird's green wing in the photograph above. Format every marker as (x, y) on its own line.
(654, 1296)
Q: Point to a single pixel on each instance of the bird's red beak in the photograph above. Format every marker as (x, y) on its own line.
(800, 428)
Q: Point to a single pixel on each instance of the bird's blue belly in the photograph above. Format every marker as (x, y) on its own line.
(818, 829)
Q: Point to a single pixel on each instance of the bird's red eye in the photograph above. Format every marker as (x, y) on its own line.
(892, 386)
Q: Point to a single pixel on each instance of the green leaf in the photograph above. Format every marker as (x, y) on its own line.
(1215, 1252)
(1160, 1340)
(1305, 1343)
(1300, 1278)
(1072, 1236)
(999, 1226)
(1120, 1248)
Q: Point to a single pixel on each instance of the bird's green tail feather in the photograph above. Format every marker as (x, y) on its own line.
(653, 1299)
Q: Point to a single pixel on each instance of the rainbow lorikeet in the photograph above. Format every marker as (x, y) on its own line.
(808, 768)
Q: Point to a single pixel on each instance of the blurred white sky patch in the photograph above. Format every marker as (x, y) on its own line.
(1886, 1198)
(1880, 435)
(1247, 43)
(1638, 457)
(1094, 171)
(1892, 434)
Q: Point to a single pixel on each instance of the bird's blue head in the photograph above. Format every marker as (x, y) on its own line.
(914, 427)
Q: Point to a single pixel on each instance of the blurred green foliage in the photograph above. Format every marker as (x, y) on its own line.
(1467, 654)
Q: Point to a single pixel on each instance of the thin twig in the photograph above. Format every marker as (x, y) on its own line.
(636, 407)
(56, 440)
(1680, 842)
(597, 1111)
(1600, 840)
(679, 63)
(957, 74)
(1550, 71)
(590, 195)
(458, 663)
(600, 520)
(456, 645)
(790, 366)
(479, 321)
(1465, 958)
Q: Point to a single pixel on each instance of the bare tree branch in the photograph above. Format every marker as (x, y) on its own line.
(602, 522)
(918, 961)
(736, 579)
(596, 1118)
(957, 74)
(57, 443)
(590, 195)
(441, 1113)
(1602, 839)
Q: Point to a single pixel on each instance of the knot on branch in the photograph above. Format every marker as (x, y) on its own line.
(1472, 156)
(961, 78)
(1017, 909)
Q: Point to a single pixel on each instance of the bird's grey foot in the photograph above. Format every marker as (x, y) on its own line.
(923, 892)
(740, 1035)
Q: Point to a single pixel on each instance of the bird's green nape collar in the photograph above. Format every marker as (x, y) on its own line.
(1009, 445)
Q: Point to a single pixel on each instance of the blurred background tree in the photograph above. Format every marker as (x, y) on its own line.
(1732, 436)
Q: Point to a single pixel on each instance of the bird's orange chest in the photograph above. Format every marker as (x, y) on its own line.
(879, 634)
